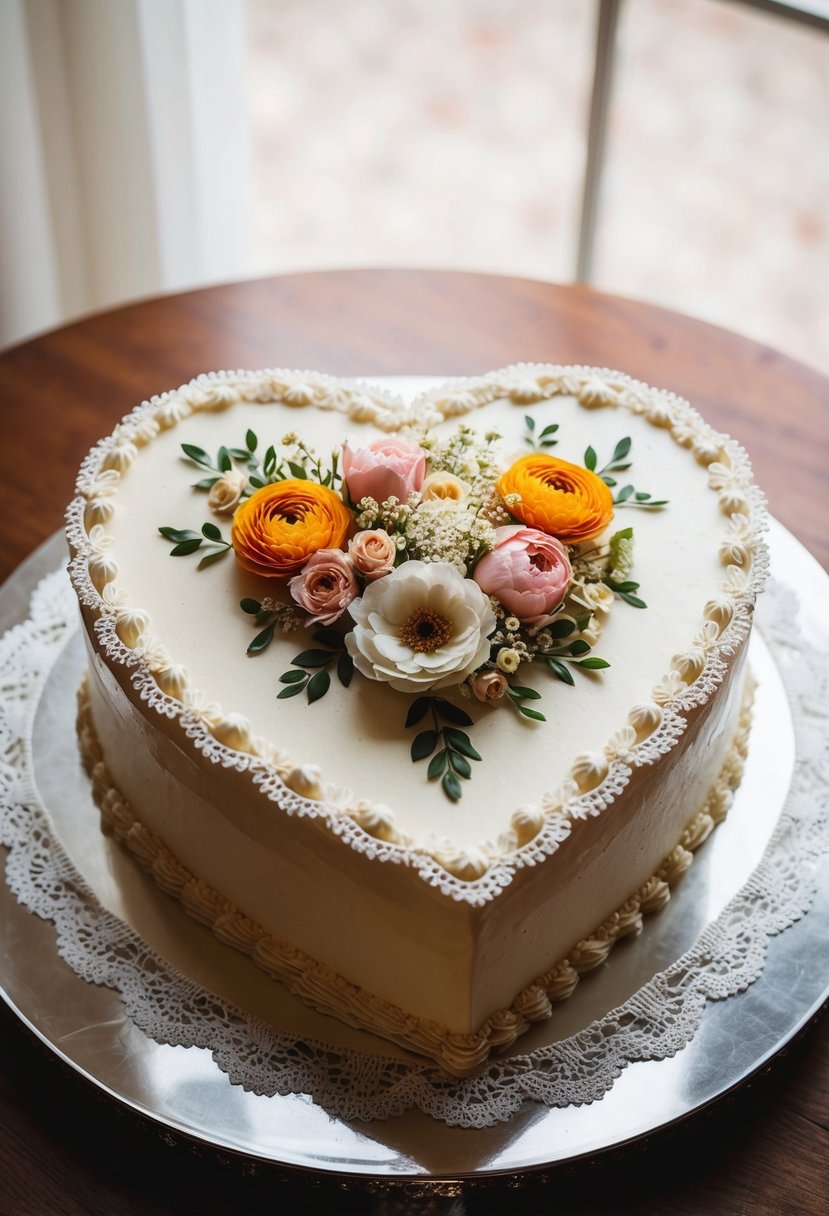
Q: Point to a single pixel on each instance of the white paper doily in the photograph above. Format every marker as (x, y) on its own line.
(351, 1076)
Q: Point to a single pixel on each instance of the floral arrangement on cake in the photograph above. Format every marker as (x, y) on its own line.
(427, 563)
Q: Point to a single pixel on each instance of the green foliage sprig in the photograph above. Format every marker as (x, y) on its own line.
(544, 439)
(185, 542)
(570, 654)
(299, 677)
(625, 591)
(304, 464)
(451, 762)
(628, 496)
(517, 694)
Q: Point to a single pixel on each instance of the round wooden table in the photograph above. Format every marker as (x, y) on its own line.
(66, 1150)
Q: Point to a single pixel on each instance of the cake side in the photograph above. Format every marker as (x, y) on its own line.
(463, 930)
(320, 985)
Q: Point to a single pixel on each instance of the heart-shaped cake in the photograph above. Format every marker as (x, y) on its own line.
(420, 704)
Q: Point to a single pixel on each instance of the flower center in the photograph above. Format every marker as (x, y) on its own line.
(425, 630)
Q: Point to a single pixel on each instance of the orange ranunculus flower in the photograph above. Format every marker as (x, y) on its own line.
(560, 498)
(280, 526)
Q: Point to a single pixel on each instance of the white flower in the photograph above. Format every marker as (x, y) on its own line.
(444, 489)
(508, 660)
(422, 626)
(226, 491)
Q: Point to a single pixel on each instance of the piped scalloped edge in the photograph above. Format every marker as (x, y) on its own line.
(470, 874)
(330, 993)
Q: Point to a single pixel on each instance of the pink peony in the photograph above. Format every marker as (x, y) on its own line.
(372, 552)
(325, 586)
(528, 571)
(386, 468)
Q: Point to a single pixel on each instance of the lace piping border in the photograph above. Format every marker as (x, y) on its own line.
(724, 630)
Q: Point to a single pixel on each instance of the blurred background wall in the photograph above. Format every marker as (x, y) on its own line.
(153, 145)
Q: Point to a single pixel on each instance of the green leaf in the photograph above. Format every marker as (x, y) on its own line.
(206, 483)
(461, 743)
(262, 640)
(610, 482)
(624, 494)
(563, 673)
(460, 764)
(548, 443)
(525, 694)
(345, 668)
(562, 629)
(642, 496)
(251, 607)
(239, 453)
(549, 430)
(197, 454)
(223, 461)
(330, 638)
(424, 744)
(531, 713)
(179, 534)
(313, 658)
(437, 764)
(529, 422)
(298, 471)
(256, 482)
(593, 664)
(251, 441)
(211, 532)
(590, 459)
(210, 559)
(579, 647)
(417, 710)
(270, 461)
(633, 600)
(621, 450)
(293, 677)
(451, 786)
(318, 686)
(451, 713)
(291, 691)
(185, 547)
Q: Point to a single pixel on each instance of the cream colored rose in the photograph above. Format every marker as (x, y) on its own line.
(488, 685)
(444, 489)
(225, 493)
(373, 552)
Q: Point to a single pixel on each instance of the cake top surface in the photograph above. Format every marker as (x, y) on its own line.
(346, 755)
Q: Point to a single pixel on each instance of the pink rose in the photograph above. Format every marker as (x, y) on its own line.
(373, 552)
(488, 685)
(528, 571)
(325, 586)
(386, 468)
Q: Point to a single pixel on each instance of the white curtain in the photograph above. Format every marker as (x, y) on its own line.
(124, 157)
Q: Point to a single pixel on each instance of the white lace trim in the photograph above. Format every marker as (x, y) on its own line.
(655, 1023)
(691, 681)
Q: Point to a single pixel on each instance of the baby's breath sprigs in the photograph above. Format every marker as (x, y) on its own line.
(544, 439)
(451, 762)
(628, 496)
(185, 542)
